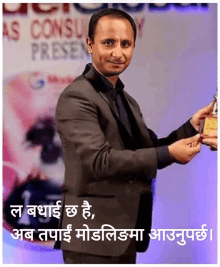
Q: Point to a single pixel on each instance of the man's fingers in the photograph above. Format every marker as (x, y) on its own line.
(207, 109)
(212, 134)
(196, 149)
(211, 104)
(210, 142)
(195, 139)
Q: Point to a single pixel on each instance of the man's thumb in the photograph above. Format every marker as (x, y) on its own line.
(194, 138)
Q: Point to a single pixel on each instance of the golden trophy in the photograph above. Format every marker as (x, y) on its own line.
(210, 122)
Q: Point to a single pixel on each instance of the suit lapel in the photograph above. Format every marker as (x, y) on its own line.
(109, 101)
(106, 97)
(93, 79)
(147, 142)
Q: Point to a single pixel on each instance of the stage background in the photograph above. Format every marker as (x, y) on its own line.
(173, 73)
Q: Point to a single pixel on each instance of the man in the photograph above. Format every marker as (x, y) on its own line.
(111, 157)
(211, 140)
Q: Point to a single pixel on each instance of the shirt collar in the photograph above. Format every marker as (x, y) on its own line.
(91, 73)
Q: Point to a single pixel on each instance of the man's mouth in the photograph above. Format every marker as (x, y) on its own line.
(116, 63)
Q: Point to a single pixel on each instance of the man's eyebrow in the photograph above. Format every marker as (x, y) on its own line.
(112, 40)
(108, 39)
(127, 40)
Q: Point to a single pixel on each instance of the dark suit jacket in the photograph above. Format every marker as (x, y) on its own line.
(99, 168)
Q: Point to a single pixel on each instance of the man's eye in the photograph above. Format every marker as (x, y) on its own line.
(126, 44)
(109, 42)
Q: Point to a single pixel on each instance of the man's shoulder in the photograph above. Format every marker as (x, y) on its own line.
(80, 87)
(79, 84)
(79, 91)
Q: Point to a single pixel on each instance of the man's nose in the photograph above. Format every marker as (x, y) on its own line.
(117, 52)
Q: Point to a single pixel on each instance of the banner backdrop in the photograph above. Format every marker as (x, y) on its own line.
(173, 73)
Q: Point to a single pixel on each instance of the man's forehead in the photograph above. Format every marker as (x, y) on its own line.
(110, 25)
(108, 21)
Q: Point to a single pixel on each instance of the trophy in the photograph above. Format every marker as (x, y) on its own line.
(210, 122)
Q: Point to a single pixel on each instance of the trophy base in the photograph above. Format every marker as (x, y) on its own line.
(209, 124)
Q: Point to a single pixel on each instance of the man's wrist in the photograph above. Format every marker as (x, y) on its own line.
(195, 126)
(164, 157)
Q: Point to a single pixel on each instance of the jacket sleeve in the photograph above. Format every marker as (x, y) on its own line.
(161, 145)
(78, 123)
(164, 158)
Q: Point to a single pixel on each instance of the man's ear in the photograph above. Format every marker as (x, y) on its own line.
(89, 45)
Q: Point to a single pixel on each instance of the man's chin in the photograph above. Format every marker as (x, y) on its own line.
(111, 73)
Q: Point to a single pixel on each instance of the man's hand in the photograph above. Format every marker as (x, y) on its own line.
(185, 149)
(210, 139)
(200, 114)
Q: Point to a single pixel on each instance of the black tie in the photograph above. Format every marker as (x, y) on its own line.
(123, 115)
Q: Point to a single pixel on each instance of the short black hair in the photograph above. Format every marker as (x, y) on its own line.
(112, 12)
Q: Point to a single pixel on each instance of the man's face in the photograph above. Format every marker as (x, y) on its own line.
(113, 45)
